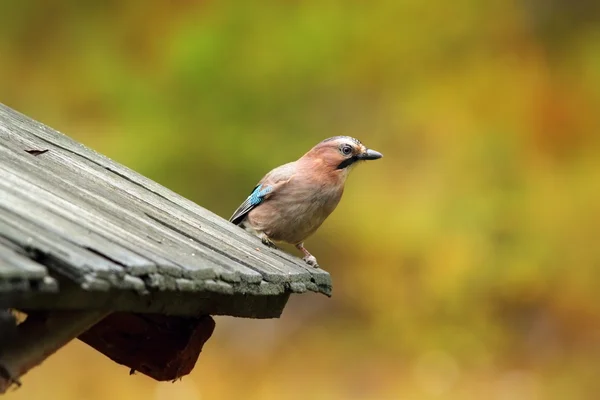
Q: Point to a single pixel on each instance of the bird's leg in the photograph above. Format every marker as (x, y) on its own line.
(308, 258)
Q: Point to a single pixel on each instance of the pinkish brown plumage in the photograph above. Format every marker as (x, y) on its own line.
(292, 201)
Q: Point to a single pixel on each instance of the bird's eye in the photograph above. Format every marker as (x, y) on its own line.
(346, 149)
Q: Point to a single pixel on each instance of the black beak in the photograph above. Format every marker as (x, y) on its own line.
(370, 155)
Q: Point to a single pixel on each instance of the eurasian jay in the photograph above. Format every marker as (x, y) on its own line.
(292, 201)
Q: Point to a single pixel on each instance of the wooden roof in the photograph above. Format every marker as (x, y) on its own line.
(79, 231)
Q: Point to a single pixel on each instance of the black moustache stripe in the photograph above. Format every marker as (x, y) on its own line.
(347, 162)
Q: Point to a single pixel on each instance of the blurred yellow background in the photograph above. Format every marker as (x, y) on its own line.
(466, 263)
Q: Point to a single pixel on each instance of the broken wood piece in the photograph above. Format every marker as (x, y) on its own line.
(39, 336)
(162, 347)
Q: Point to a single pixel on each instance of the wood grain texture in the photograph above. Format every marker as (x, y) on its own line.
(79, 231)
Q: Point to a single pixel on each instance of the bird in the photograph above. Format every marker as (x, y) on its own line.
(292, 201)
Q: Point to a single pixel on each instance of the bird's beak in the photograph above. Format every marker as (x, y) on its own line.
(370, 155)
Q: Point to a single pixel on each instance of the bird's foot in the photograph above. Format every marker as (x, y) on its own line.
(311, 260)
(308, 258)
(267, 242)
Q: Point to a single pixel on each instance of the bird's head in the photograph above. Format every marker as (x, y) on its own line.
(341, 153)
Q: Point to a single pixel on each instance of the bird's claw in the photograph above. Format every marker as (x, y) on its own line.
(311, 260)
(267, 242)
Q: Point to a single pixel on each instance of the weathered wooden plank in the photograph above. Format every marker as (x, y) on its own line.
(74, 233)
(47, 219)
(17, 266)
(228, 256)
(124, 230)
(18, 273)
(93, 267)
(82, 266)
(107, 205)
(87, 192)
(214, 238)
(48, 136)
(158, 302)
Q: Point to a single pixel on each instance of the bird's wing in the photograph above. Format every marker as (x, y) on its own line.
(267, 185)
(257, 196)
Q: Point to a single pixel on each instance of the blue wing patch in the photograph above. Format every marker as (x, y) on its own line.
(256, 197)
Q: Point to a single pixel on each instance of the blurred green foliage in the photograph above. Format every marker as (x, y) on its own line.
(466, 263)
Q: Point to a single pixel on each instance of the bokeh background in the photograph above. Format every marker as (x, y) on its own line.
(466, 263)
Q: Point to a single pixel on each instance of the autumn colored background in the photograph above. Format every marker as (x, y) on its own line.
(466, 263)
